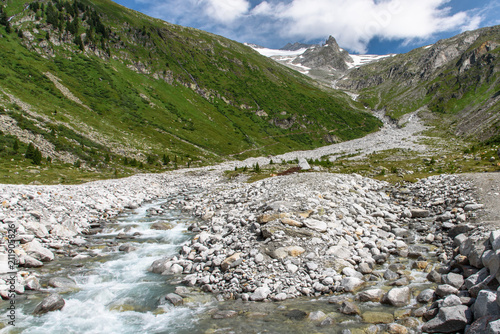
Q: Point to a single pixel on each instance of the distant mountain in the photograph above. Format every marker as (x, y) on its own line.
(457, 80)
(297, 46)
(326, 63)
(95, 84)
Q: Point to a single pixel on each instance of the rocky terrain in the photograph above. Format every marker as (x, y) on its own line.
(420, 248)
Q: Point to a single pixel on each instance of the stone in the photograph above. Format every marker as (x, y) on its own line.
(339, 252)
(291, 222)
(377, 317)
(291, 268)
(425, 296)
(371, 295)
(351, 284)
(419, 213)
(365, 268)
(269, 217)
(127, 248)
(36, 250)
(476, 278)
(396, 329)
(162, 226)
(397, 297)
(316, 316)
(455, 280)
(303, 164)
(260, 294)
(296, 315)
(62, 283)
(280, 297)
(476, 254)
(494, 327)
(231, 261)
(27, 261)
(32, 283)
(451, 300)
(350, 272)
(434, 276)
(480, 326)
(174, 299)
(449, 320)
(473, 207)
(349, 308)
(224, 314)
(486, 304)
(316, 225)
(495, 240)
(444, 290)
(54, 302)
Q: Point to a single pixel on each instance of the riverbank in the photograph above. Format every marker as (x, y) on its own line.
(301, 235)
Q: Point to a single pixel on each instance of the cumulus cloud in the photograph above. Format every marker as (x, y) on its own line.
(354, 23)
(226, 11)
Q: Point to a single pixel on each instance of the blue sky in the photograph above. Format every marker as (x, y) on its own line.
(360, 26)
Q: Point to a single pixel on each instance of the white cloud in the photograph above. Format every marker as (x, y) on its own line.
(354, 23)
(226, 11)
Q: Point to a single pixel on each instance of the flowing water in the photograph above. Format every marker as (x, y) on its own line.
(116, 293)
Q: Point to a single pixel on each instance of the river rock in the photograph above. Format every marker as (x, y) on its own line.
(486, 304)
(397, 297)
(303, 164)
(36, 250)
(455, 280)
(495, 240)
(371, 295)
(316, 225)
(260, 294)
(444, 290)
(162, 226)
(62, 283)
(425, 296)
(316, 316)
(174, 299)
(377, 317)
(349, 308)
(224, 314)
(231, 261)
(449, 320)
(419, 213)
(54, 302)
(29, 262)
(351, 284)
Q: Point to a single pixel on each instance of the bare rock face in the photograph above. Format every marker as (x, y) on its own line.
(329, 56)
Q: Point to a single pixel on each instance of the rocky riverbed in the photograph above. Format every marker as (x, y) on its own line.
(419, 251)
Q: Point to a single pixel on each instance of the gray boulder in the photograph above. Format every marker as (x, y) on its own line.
(455, 280)
(54, 302)
(486, 304)
(303, 164)
(449, 320)
(397, 297)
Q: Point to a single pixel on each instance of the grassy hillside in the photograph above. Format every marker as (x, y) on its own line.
(457, 80)
(101, 88)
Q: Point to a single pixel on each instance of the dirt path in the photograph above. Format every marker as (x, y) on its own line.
(488, 193)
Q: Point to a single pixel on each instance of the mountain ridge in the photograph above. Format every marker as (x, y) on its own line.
(151, 88)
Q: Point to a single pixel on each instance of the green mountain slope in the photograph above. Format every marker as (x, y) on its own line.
(94, 84)
(457, 80)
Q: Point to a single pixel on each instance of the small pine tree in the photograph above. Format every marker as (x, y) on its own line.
(37, 157)
(30, 151)
(15, 147)
(165, 159)
(256, 167)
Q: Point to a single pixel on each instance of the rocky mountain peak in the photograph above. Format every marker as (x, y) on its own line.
(297, 46)
(329, 56)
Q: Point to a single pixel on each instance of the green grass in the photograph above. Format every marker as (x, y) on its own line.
(154, 88)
